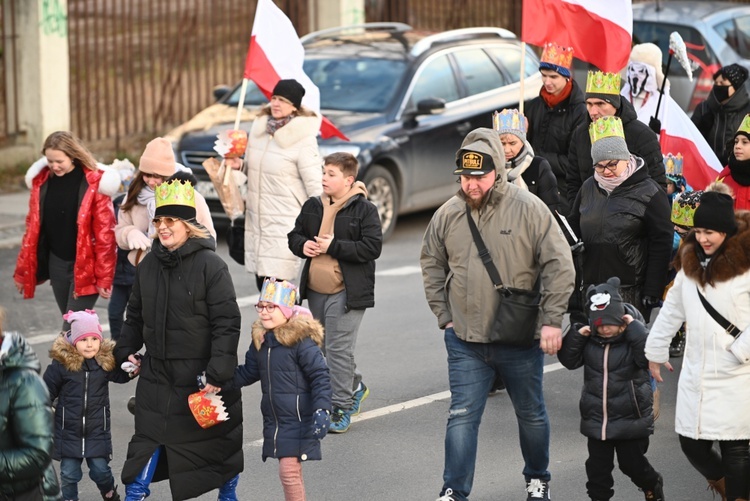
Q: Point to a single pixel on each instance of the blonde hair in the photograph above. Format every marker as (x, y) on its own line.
(194, 230)
(72, 146)
(720, 187)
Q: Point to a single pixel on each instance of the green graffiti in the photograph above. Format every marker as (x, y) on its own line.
(54, 19)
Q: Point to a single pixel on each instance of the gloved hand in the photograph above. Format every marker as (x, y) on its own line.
(650, 302)
(655, 125)
(321, 422)
(138, 240)
(577, 248)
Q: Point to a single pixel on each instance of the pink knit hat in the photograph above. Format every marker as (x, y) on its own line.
(82, 324)
(158, 158)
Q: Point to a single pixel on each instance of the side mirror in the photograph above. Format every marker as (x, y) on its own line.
(220, 91)
(431, 106)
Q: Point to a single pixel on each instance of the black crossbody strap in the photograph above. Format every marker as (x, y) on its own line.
(484, 254)
(728, 326)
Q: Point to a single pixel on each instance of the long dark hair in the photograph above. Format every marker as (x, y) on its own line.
(136, 185)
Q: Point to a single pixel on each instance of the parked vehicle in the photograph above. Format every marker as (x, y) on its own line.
(716, 34)
(404, 98)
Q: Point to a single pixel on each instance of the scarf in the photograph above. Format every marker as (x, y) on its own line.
(609, 184)
(553, 100)
(146, 197)
(518, 165)
(275, 124)
(740, 170)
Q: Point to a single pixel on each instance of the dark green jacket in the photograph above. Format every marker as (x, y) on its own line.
(26, 423)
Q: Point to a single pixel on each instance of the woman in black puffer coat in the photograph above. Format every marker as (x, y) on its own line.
(183, 308)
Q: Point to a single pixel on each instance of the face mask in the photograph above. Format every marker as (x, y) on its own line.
(721, 92)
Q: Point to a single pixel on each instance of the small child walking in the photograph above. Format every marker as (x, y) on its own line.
(286, 358)
(78, 378)
(617, 400)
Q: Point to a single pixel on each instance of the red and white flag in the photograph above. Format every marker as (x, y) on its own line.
(700, 165)
(600, 31)
(276, 53)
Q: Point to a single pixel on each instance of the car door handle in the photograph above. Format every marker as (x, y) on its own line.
(463, 128)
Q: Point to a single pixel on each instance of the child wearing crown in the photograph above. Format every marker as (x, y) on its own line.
(736, 174)
(286, 358)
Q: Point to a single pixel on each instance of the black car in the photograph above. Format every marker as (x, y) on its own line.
(405, 99)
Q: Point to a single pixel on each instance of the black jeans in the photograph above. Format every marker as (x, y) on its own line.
(118, 303)
(733, 464)
(61, 280)
(631, 458)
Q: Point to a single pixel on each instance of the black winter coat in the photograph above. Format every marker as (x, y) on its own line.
(357, 242)
(719, 122)
(641, 141)
(26, 423)
(626, 234)
(620, 363)
(541, 182)
(81, 388)
(183, 308)
(550, 131)
(295, 382)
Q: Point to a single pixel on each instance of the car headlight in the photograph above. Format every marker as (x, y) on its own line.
(327, 149)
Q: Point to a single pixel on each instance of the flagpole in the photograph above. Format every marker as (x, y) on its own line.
(523, 72)
(240, 104)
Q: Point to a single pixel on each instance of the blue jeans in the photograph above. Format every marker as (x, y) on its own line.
(118, 303)
(471, 370)
(71, 474)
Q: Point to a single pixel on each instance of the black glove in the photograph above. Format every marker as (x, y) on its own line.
(655, 125)
(321, 422)
(650, 302)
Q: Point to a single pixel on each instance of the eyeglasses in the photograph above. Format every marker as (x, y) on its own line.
(611, 166)
(269, 307)
(169, 221)
(155, 176)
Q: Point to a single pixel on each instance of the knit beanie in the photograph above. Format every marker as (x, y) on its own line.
(604, 86)
(604, 303)
(291, 90)
(608, 140)
(510, 122)
(158, 158)
(716, 212)
(82, 324)
(735, 73)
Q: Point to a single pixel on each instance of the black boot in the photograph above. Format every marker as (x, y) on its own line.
(677, 346)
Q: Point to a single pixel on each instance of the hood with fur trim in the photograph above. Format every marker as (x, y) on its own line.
(733, 258)
(290, 333)
(108, 185)
(68, 356)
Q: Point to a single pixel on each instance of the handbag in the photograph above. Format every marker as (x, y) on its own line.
(516, 317)
(728, 326)
(236, 240)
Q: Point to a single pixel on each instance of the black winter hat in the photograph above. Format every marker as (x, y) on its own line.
(735, 73)
(291, 90)
(716, 212)
(604, 303)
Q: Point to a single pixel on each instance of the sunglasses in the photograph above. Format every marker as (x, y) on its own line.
(169, 221)
(270, 307)
(611, 166)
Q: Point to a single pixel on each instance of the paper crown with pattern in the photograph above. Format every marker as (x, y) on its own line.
(599, 82)
(509, 122)
(683, 208)
(281, 293)
(606, 127)
(745, 126)
(175, 198)
(673, 166)
(558, 58)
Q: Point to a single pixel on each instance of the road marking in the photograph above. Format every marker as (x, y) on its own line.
(410, 404)
(397, 272)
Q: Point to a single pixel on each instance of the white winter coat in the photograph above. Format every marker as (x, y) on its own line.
(283, 171)
(713, 395)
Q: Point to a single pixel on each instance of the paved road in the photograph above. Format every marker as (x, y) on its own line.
(395, 449)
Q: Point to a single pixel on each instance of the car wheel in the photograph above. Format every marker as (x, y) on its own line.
(381, 189)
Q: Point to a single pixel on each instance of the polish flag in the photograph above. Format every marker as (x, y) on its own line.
(679, 134)
(600, 31)
(275, 53)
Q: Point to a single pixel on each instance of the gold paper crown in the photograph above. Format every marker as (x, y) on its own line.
(683, 208)
(509, 122)
(282, 293)
(745, 125)
(606, 127)
(557, 55)
(673, 164)
(175, 192)
(599, 82)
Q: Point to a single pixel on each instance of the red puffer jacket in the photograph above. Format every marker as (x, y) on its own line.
(96, 250)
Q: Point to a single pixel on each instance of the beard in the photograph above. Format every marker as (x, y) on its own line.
(475, 203)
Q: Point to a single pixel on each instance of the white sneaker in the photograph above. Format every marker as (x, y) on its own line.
(447, 496)
(537, 489)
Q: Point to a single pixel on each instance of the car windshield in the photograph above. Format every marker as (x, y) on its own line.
(361, 85)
